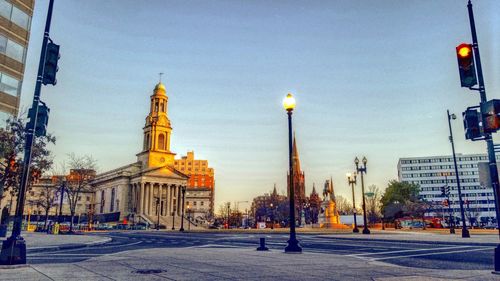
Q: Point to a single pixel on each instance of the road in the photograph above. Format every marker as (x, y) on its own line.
(406, 253)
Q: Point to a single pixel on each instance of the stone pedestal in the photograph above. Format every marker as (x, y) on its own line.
(329, 218)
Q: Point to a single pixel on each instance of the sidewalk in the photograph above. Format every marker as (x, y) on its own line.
(216, 263)
(40, 241)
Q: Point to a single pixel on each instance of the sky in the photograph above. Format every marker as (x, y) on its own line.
(371, 78)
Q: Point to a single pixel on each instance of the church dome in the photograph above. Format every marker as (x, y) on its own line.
(160, 87)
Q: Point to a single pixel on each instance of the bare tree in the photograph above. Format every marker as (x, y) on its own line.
(82, 172)
(373, 203)
(343, 205)
(46, 199)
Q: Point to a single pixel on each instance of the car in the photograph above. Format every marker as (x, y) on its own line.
(213, 226)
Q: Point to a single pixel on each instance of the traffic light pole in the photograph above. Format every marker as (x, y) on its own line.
(14, 248)
(487, 136)
(465, 231)
(451, 217)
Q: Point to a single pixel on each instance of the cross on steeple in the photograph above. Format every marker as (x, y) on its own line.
(161, 73)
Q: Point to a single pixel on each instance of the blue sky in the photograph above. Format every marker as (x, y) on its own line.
(371, 78)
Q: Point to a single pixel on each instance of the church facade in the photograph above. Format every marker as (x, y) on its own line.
(150, 188)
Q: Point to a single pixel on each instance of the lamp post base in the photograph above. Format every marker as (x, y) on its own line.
(452, 231)
(181, 230)
(497, 260)
(366, 231)
(465, 233)
(355, 230)
(13, 251)
(293, 247)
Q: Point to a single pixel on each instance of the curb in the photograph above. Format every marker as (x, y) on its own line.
(68, 246)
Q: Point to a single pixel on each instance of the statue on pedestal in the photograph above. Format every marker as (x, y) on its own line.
(329, 217)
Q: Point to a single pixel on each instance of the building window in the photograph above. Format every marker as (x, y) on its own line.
(14, 50)
(201, 203)
(20, 18)
(112, 203)
(9, 85)
(161, 142)
(15, 15)
(102, 202)
(146, 142)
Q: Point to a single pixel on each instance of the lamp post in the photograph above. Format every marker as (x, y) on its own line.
(362, 170)
(465, 231)
(14, 248)
(189, 217)
(173, 221)
(183, 189)
(61, 201)
(272, 215)
(158, 213)
(351, 180)
(293, 243)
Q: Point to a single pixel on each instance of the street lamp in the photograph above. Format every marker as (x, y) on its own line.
(362, 170)
(158, 213)
(272, 215)
(465, 231)
(189, 217)
(293, 243)
(351, 180)
(61, 201)
(183, 189)
(173, 220)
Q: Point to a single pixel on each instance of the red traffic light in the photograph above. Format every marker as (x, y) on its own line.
(466, 68)
(464, 50)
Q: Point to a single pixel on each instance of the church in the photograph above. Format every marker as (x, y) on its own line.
(151, 187)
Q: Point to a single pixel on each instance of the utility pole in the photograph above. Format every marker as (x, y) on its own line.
(487, 135)
(465, 231)
(14, 248)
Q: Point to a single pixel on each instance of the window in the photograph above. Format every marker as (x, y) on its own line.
(194, 203)
(15, 15)
(15, 51)
(201, 203)
(20, 18)
(112, 203)
(5, 9)
(102, 202)
(8, 84)
(161, 142)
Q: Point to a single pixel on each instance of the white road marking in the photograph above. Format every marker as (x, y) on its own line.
(405, 251)
(430, 254)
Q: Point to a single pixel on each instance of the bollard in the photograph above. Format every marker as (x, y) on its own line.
(262, 245)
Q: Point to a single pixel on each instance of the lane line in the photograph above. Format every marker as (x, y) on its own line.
(405, 251)
(430, 254)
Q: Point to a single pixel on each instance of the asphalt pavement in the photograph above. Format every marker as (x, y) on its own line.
(420, 254)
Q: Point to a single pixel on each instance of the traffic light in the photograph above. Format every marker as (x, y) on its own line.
(443, 191)
(466, 66)
(50, 67)
(490, 111)
(42, 119)
(471, 124)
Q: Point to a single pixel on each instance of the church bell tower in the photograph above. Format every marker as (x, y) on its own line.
(157, 132)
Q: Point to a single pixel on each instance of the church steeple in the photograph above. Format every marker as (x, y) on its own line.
(157, 131)
(295, 157)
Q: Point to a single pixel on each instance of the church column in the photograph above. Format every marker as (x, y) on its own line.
(164, 198)
(179, 200)
(141, 198)
(151, 199)
(146, 198)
